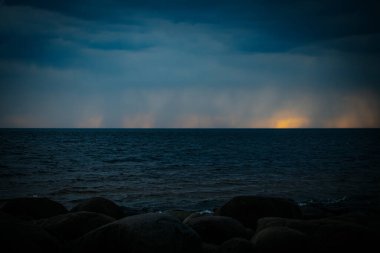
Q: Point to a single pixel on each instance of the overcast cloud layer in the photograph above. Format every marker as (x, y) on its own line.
(189, 63)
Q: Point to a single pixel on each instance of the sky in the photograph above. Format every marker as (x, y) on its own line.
(190, 64)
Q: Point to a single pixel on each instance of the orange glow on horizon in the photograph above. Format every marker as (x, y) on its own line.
(292, 122)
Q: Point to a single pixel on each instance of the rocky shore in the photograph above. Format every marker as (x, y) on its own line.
(244, 224)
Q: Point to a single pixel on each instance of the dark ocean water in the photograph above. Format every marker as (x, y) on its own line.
(191, 169)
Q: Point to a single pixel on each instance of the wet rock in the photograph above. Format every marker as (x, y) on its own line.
(217, 229)
(281, 239)
(100, 205)
(71, 226)
(248, 209)
(237, 245)
(250, 232)
(311, 212)
(370, 219)
(22, 236)
(32, 208)
(180, 214)
(326, 234)
(210, 248)
(196, 215)
(145, 233)
(128, 211)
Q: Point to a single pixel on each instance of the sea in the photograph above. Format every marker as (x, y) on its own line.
(190, 169)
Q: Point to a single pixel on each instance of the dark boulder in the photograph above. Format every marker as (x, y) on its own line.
(368, 219)
(180, 214)
(210, 248)
(32, 208)
(196, 215)
(312, 212)
(327, 235)
(129, 211)
(281, 239)
(71, 226)
(100, 205)
(217, 229)
(22, 236)
(144, 233)
(237, 245)
(248, 209)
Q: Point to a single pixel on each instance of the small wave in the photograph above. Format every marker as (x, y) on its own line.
(123, 160)
(65, 191)
(15, 174)
(323, 202)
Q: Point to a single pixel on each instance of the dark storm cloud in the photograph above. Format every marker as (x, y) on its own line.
(305, 16)
(255, 26)
(290, 22)
(189, 63)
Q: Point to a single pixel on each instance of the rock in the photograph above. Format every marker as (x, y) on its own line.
(368, 219)
(327, 235)
(100, 205)
(313, 211)
(32, 208)
(10, 218)
(144, 233)
(250, 232)
(180, 214)
(281, 239)
(22, 236)
(248, 209)
(210, 248)
(70, 226)
(237, 245)
(129, 211)
(217, 229)
(196, 215)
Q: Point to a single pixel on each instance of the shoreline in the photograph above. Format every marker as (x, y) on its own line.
(245, 223)
(339, 205)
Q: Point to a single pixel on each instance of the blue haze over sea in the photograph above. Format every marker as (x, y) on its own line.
(192, 169)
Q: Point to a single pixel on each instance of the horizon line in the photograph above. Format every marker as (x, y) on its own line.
(188, 128)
